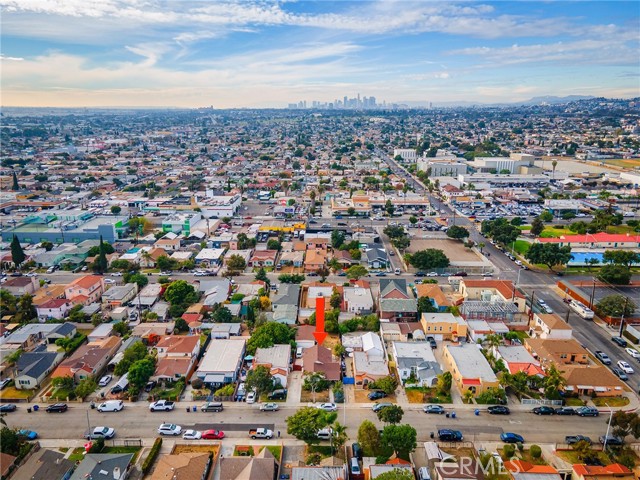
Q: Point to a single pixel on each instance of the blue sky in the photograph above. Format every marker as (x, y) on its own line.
(267, 54)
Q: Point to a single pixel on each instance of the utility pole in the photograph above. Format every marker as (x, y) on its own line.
(624, 309)
(566, 318)
(606, 437)
(593, 294)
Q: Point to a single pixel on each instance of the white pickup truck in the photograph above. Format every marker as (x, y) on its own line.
(161, 406)
(261, 433)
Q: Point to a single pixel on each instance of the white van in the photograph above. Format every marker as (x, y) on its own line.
(355, 466)
(251, 397)
(299, 351)
(111, 406)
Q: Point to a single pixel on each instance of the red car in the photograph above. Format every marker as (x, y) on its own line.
(213, 434)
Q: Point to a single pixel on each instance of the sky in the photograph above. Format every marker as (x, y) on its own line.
(228, 54)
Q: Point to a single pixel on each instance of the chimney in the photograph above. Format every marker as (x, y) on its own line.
(116, 473)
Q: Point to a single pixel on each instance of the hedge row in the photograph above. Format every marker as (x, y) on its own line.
(153, 454)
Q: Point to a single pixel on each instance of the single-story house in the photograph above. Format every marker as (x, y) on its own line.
(33, 367)
(469, 368)
(416, 360)
(277, 359)
(222, 362)
(320, 359)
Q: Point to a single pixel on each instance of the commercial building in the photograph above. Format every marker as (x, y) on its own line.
(222, 361)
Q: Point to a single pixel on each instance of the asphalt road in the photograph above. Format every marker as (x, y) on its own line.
(135, 421)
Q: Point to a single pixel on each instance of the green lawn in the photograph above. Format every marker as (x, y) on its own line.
(275, 450)
(522, 246)
(171, 393)
(573, 402)
(551, 232)
(611, 401)
(135, 450)
(573, 457)
(77, 455)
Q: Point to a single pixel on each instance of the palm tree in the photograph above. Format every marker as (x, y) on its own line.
(493, 340)
(553, 382)
(481, 245)
(467, 396)
(554, 164)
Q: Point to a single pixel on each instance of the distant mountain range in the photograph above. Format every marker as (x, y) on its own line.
(547, 99)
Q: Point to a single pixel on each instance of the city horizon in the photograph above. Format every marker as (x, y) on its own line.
(257, 55)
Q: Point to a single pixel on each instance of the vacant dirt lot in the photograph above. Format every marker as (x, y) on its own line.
(454, 249)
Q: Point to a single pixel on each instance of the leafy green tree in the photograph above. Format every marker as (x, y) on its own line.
(339, 436)
(445, 381)
(140, 371)
(260, 379)
(48, 246)
(546, 216)
(262, 276)
(396, 474)
(401, 243)
(289, 278)
(181, 293)
(356, 272)
(392, 414)
(369, 439)
(336, 299)
(25, 309)
(181, 325)
(549, 254)
(615, 274)
(269, 334)
(394, 231)
(389, 208)
(425, 305)
(616, 305)
(315, 382)
(76, 314)
(402, 439)
(17, 254)
(62, 383)
(306, 422)
(9, 440)
(166, 264)
(86, 387)
(236, 263)
(8, 303)
(429, 259)
(387, 384)
(337, 238)
(537, 226)
(222, 315)
(621, 257)
(554, 382)
(115, 209)
(101, 264)
(134, 352)
(14, 185)
(137, 278)
(457, 232)
(626, 423)
(121, 328)
(274, 244)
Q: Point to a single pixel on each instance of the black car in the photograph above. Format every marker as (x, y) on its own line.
(460, 274)
(7, 407)
(611, 440)
(447, 435)
(620, 341)
(565, 411)
(587, 412)
(573, 439)
(150, 386)
(498, 410)
(420, 274)
(438, 409)
(544, 410)
(620, 374)
(432, 342)
(57, 408)
(376, 395)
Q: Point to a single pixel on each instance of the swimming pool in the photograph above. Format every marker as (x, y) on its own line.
(580, 258)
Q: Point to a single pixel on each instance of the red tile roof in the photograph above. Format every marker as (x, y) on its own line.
(589, 470)
(593, 238)
(504, 287)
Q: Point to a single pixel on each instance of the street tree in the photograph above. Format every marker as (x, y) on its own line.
(394, 231)
(392, 414)
(115, 209)
(137, 278)
(621, 257)
(261, 275)
(396, 474)
(86, 387)
(402, 439)
(260, 380)
(140, 371)
(369, 439)
(615, 274)
(401, 243)
(387, 384)
(306, 422)
(549, 254)
(626, 423)
(17, 254)
(457, 232)
(537, 227)
(616, 305)
(428, 259)
(236, 263)
(356, 271)
(546, 216)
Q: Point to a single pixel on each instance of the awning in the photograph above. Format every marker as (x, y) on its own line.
(585, 387)
(569, 388)
(213, 378)
(600, 389)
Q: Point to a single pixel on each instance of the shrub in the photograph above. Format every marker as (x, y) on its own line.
(197, 383)
(97, 446)
(535, 451)
(509, 450)
(520, 447)
(151, 458)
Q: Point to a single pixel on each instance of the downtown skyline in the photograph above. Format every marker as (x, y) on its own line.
(269, 54)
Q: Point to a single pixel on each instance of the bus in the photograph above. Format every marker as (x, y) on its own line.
(581, 309)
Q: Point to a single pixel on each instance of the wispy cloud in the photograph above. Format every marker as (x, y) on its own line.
(11, 59)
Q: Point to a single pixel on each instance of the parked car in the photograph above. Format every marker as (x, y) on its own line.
(620, 341)
(448, 435)
(432, 342)
(57, 408)
(587, 411)
(213, 435)
(376, 407)
(7, 407)
(611, 440)
(625, 367)
(565, 411)
(376, 395)
(573, 439)
(633, 352)
(150, 386)
(28, 434)
(212, 407)
(279, 394)
(620, 374)
(269, 407)
(192, 435)
(4, 382)
(510, 437)
(328, 407)
(169, 429)
(498, 410)
(544, 410)
(431, 274)
(100, 432)
(104, 381)
(439, 409)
